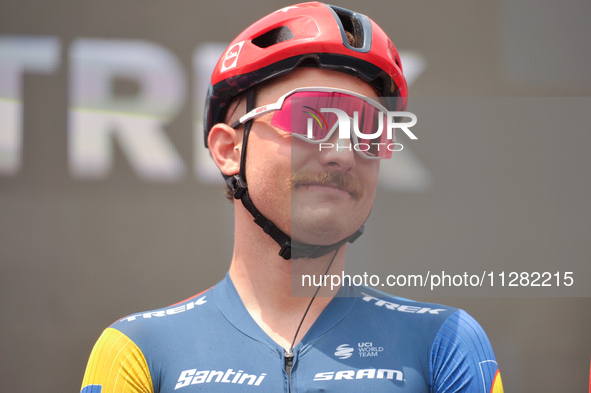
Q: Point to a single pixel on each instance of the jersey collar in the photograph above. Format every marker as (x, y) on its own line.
(229, 303)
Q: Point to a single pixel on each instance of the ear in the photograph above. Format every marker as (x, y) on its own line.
(222, 142)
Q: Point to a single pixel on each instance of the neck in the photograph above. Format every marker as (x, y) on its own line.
(271, 287)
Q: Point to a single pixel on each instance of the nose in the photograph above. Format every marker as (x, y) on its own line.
(340, 156)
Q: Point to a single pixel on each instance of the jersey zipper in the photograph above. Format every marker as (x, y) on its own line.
(288, 366)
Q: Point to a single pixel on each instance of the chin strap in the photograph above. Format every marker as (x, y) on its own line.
(240, 190)
(288, 250)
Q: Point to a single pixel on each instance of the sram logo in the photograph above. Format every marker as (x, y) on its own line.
(168, 311)
(369, 373)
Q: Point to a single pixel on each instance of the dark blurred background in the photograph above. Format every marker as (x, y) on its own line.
(109, 204)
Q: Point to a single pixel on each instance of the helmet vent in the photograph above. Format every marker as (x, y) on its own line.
(352, 26)
(273, 37)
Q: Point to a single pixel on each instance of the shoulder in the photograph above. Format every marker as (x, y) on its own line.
(418, 322)
(115, 355)
(136, 347)
(459, 352)
(383, 306)
(443, 323)
(462, 356)
(401, 305)
(143, 326)
(186, 305)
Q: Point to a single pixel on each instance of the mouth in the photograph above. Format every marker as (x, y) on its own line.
(329, 187)
(328, 181)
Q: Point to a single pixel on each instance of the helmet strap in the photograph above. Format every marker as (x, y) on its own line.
(240, 191)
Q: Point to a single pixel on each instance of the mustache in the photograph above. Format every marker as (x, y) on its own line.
(341, 180)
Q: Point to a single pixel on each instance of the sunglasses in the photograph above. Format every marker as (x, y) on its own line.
(312, 115)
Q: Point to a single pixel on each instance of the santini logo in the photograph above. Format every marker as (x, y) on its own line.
(194, 377)
(344, 351)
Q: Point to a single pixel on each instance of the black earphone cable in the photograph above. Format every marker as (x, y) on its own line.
(290, 353)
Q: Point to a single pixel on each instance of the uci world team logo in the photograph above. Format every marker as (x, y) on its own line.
(364, 349)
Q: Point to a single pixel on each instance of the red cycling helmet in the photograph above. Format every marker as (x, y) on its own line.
(304, 33)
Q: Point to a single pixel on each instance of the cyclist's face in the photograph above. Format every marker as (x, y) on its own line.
(317, 196)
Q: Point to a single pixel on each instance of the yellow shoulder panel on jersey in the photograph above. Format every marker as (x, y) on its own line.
(497, 385)
(116, 365)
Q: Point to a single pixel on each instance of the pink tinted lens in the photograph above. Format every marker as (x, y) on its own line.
(376, 146)
(301, 114)
(301, 106)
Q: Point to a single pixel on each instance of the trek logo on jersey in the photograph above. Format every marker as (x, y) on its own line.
(194, 377)
(231, 58)
(402, 308)
(168, 311)
(366, 349)
(370, 373)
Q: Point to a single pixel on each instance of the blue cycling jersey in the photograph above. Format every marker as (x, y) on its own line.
(364, 340)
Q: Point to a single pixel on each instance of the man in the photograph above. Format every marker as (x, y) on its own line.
(301, 192)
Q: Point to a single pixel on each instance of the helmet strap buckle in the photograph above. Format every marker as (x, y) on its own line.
(237, 185)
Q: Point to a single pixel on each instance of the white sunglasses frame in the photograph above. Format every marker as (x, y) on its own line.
(279, 104)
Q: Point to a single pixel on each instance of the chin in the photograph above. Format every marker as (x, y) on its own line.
(321, 230)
